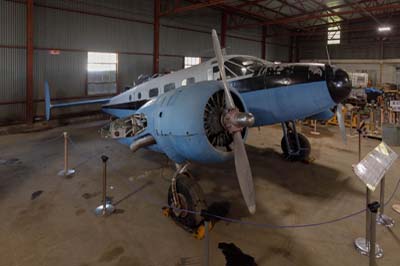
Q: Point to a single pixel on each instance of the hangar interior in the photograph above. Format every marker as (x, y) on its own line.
(316, 96)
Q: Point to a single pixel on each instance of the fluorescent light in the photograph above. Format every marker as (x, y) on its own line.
(384, 29)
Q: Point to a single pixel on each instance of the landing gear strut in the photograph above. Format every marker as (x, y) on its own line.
(186, 199)
(295, 146)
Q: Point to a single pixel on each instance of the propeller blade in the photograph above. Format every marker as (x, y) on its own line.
(218, 54)
(243, 172)
(340, 119)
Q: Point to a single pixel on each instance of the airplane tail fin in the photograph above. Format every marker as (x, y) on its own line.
(49, 105)
(47, 100)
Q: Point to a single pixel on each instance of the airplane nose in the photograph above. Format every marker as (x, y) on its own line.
(339, 83)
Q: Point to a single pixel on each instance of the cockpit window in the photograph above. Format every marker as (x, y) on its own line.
(228, 72)
(245, 65)
(240, 66)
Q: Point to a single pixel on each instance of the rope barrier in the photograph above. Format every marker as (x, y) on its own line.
(249, 223)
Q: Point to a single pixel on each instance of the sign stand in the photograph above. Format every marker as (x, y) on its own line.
(371, 171)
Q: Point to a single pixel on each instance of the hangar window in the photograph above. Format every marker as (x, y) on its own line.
(334, 35)
(169, 87)
(191, 61)
(102, 73)
(153, 92)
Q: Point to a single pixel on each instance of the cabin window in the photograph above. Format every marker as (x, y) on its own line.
(153, 92)
(169, 87)
(188, 81)
(102, 73)
(334, 35)
(191, 61)
(229, 74)
(139, 95)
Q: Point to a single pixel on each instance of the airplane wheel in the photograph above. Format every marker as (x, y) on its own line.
(304, 144)
(191, 198)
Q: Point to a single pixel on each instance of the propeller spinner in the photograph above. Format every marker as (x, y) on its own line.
(234, 121)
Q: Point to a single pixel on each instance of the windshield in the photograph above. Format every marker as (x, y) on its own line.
(242, 66)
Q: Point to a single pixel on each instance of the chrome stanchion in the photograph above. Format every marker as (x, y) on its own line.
(382, 218)
(374, 248)
(362, 243)
(206, 244)
(106, 208)
(66, 172)
(207, 223)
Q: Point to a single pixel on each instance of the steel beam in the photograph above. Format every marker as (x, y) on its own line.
(192, 7)
(263, 43)
(321, 15)
(156, 37)
(224, 26)
(29, 61)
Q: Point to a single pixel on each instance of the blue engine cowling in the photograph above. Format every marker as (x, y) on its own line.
(176, 120)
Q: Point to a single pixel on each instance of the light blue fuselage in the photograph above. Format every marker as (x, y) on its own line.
(175, 118)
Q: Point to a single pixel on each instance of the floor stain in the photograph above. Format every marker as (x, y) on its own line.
(36, 194)
(34, 215)
(80, 212)
(90, 195)
(111, 254)
(280, 251)
(127, 261)
(185, 261)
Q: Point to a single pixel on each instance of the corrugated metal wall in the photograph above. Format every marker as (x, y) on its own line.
(122, 26)
(12, 60)
(358, 45)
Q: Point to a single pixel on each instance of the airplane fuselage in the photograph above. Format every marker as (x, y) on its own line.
(274, 93)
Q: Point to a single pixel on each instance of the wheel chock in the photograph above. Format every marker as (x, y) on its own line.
(166, 211)
(200, 232)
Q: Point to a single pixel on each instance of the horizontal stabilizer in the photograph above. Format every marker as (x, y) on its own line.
(49, 105)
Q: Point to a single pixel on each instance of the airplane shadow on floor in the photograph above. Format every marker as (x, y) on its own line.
(312, 180)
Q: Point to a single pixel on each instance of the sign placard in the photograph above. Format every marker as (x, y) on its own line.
(373, 167)
(395, 106)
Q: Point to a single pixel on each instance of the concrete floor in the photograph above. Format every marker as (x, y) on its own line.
(58, 226)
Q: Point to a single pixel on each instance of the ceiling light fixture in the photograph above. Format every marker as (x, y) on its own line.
(384, 28)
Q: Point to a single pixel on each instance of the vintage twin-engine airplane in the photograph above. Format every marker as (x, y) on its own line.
(201, 114)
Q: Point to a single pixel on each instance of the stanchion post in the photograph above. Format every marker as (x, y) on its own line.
(206, 243)
(382, 218)
(106, 208)
(375, 251)
(207, 221)
(66, 172)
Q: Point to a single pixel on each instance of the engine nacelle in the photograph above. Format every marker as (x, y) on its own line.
(186, 123)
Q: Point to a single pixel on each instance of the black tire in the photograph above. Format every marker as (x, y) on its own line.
(304, 144)
(194, 200)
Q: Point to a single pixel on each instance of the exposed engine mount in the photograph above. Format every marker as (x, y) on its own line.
(125, 127)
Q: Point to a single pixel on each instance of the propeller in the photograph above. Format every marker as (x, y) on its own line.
(340, 120)
(339, 108)
(234, 121)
